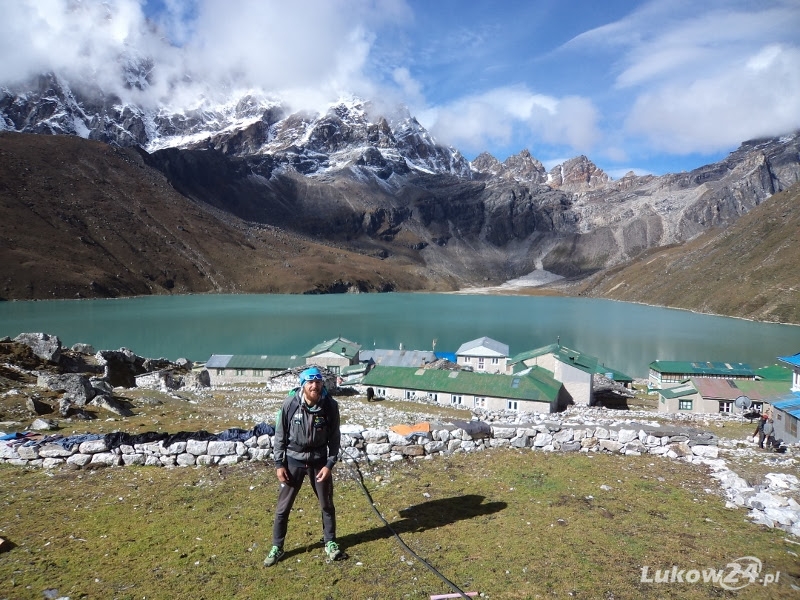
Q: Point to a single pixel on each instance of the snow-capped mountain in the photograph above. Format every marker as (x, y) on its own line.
(246, 125)
(377, 179)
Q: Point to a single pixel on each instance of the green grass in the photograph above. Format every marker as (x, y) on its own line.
(511, 524)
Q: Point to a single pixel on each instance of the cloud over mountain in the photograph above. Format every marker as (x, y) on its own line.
(635, 88)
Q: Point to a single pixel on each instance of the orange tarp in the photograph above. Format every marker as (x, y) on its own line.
(409, 429)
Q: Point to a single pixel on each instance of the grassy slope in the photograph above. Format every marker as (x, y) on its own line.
(513, 524)
(751, 270)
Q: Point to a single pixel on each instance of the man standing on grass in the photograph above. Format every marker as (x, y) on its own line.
(307, 441)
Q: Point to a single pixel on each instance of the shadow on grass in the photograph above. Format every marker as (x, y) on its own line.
(421, 517)
(416, 518)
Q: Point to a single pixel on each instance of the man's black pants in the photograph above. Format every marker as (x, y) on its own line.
(288, 492)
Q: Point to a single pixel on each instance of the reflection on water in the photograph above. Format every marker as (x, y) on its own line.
(626, 337)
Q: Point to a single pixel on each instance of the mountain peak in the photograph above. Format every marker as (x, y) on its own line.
(578, 174)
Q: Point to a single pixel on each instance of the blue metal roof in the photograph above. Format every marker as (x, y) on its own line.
(793, 360)
(790, 406)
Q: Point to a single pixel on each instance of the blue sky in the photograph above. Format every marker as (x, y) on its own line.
(650, 86)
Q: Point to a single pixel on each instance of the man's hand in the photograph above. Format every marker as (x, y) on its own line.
(323, 474)
(283, 474)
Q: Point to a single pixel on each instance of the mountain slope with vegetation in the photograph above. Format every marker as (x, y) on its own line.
(749, 270)
(82, 219)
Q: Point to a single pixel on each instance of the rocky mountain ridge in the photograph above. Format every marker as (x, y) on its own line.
(376, 183)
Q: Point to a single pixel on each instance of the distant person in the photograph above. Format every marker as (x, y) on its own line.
(370, 394)
(307, 441)
(768, 432)
(760, 429)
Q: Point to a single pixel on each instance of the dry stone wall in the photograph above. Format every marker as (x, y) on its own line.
(358, 444)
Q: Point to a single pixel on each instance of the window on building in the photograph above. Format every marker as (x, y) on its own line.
(512, 404)
(455, 399)
(480, 362)
(684, 405)
(725, 406)
(258, 372)
(239, 372)
(220, 372)
(480, 402)
(409, 394)
(495, 361)
(791, 425)
(433, 396)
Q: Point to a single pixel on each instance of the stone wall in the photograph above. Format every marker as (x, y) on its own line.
(363, 444)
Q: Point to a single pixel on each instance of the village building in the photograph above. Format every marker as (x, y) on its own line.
(670, 373)
(786, 410)
(247, 368)
(334, 354)
(533, 391)
(397, 358)
(708, 395)
(576, 370)
(483, 355)
(352, 375)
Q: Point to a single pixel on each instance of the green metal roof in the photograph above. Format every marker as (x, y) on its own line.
(337, 345)
(686, 389)
(764, 390)
(775, 373)
(702, 368)
(579, 360)
(617, 376)
(523, 356)
(353, 369)
(264, 361)
(538, 385)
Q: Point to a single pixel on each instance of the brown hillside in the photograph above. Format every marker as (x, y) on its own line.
(83, 219)
(750, 270)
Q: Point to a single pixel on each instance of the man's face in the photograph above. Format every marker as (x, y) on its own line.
(312, 391)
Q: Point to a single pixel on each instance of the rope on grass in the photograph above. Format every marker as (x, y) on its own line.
(355, 472)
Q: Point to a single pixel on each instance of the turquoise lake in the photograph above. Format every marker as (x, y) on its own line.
(623, 336)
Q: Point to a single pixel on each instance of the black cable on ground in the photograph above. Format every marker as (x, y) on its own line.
(359, 479)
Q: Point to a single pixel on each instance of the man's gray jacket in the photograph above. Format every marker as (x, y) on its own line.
(305, 436)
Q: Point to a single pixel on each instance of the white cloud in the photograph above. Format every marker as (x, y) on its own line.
(704, 77)
(497, 116)
(75, 38)
(759, 97)
(683, 76)
(311, 52)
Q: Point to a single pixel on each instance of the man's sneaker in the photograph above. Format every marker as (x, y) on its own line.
(333, 551)
(274, 556)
